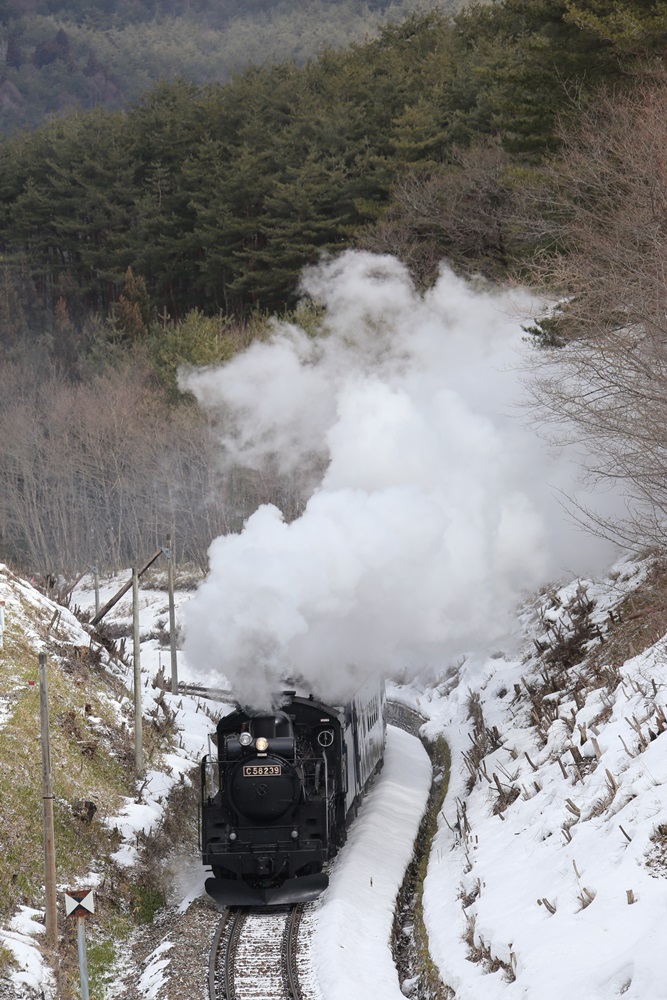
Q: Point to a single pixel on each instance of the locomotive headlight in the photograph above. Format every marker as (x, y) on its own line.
(232, 834)
(245, 739)
(295, 834)
(261, 744)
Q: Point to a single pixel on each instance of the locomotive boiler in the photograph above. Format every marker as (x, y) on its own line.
(280, 792)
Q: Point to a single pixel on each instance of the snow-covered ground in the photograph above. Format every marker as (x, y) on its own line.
(21, 938)
(353, 957)
(561, 892)
(565, 886)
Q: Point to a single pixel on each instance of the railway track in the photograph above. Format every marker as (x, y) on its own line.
(404, 717)
(254, 954)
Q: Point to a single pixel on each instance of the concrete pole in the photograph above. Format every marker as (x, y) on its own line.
(138, 726)
(47, 800)
(169, 552)
(83, 958)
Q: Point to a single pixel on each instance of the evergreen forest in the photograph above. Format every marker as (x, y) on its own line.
(519, 140)
(57, 56)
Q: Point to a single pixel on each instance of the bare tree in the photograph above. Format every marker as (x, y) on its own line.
(607, 220)
(465, 212)
(102, 471)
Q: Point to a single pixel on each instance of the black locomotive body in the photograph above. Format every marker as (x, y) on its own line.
(280, 793)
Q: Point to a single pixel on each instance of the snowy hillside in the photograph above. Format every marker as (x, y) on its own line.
(546, 877)
(91, 710)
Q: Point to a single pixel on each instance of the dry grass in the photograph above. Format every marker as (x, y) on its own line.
(601, 805)
(585, 897)
(656, 858)
(636, 624)
(479, 951)
(86, 765)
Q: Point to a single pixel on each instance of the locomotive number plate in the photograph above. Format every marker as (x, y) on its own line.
(262, 770)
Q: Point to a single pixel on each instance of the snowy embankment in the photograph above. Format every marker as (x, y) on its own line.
(352, 949)
(546, 878)
(44, 626)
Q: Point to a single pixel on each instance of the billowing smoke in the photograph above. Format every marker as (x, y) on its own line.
(435, 513)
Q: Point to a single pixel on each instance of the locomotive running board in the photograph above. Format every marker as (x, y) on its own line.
(233, 892)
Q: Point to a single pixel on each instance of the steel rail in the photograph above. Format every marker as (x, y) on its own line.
(290, 944)
(236, 922)
(221, 958)
(213, 957)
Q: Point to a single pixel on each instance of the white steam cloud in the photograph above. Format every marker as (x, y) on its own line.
(435, 512)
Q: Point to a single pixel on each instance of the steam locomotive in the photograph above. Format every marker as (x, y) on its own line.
(279, 794)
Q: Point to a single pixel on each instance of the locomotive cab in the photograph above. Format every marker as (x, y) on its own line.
(264, 734)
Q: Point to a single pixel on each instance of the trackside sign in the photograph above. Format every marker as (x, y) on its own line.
(79, 902)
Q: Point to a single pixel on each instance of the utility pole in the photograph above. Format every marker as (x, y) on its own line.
(47, 800)
(138, 729)
(169, 552)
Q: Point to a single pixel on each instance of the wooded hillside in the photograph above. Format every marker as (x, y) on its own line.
(166, 232)
(62, 55)
(216, 196)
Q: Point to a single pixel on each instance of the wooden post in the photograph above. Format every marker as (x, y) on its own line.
(138, 729)
(51, 911)
(63, 597)
(123, 590)
(96, 581)
(169, 552)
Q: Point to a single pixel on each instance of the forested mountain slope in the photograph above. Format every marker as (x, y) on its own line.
(523, 138)
(59, 56)
(216, 196)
